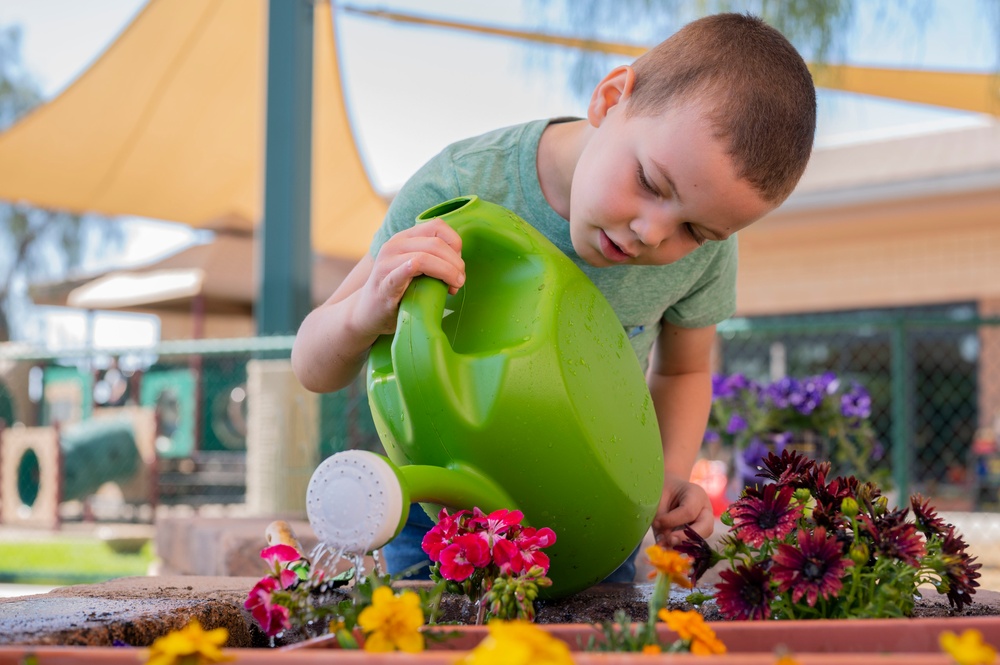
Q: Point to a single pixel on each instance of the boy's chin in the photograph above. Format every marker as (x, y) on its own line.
(592, 257)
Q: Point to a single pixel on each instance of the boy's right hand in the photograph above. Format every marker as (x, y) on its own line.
(430, 248)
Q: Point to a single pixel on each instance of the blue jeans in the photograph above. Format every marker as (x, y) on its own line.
(404, 552)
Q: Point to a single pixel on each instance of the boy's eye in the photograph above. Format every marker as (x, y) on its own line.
(641, 176)
(697, 237)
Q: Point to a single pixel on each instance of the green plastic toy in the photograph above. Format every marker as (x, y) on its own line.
(521, 391)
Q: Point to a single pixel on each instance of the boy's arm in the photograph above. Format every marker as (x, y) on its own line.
(333, 341)
(680, 383)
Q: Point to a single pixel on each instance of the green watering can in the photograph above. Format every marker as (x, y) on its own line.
(521, 391)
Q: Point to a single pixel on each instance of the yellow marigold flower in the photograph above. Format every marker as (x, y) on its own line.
(691, 626)
(674, 565)
(190, 645)
(651, 649)
(518, 643)
(968, 648)
(392, 622)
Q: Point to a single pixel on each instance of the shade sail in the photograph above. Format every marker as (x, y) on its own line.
(169, 124)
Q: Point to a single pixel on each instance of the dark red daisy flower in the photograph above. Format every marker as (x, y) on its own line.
(765, 514)
(744, 593)
(837, 490)
(812, 569)
(702, 556)
(790, 468)
(893, 537)
(827, 513)
(960, 573)
(816, 476)
(926, 517)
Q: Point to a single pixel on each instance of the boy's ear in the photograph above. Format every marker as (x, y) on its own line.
(613, 88)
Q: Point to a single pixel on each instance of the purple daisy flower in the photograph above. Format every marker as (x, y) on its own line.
(744, 593)
(813, 569)
(767, 514)
(960, 573)
(926, 517)
(894, 537)
(787, 468)
(703, 557)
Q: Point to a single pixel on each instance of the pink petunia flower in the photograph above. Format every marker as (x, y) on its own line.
(280, 554)
(271, 618)
(460, 559)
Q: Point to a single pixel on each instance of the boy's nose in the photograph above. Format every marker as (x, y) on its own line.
(652, 233)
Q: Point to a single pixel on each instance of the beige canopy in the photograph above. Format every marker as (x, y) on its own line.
(169, 124)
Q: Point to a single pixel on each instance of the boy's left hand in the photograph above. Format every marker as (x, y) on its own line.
(682, 503)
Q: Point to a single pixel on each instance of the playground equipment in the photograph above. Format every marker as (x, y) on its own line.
(41, 467)
(521, 391)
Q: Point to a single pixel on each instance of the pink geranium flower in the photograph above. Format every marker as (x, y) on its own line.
(270, 617)
(461, 558)
(524, 551)
(441, 534)
(490, 527)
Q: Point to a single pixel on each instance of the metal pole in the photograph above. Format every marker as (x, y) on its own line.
(901, 453)
(285, 252)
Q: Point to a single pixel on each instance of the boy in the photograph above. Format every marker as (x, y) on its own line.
(699, 138)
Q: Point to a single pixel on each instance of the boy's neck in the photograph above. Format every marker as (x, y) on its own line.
(558, 152)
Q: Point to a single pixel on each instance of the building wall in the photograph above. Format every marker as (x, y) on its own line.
(898, 253)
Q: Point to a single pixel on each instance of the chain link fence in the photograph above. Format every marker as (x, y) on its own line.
(934, 378)
(933, 375)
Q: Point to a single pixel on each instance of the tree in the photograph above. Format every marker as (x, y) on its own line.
(36, 244)
(817, 28)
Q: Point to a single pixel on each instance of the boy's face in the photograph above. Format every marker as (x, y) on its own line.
(649, 190)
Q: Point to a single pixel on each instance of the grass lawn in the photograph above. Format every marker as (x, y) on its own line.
(69, 561)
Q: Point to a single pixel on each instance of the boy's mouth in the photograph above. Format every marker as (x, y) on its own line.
(611, 251)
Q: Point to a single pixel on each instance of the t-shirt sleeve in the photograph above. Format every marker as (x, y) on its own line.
(712, 299)
(432, 184)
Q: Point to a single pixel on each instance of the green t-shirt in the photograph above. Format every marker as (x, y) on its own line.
(500, 167)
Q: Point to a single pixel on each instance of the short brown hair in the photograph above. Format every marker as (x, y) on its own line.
(762, 97)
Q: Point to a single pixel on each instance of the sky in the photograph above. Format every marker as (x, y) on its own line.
(391, 91)
(431, 86)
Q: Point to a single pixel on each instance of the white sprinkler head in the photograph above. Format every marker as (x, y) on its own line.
(354, 501)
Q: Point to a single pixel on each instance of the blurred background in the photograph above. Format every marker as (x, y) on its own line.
(180, 181)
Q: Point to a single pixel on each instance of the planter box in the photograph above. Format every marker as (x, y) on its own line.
(829, 641)
(116, 656)
(847, 642)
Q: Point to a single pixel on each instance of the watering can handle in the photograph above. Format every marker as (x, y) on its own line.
(419, 334)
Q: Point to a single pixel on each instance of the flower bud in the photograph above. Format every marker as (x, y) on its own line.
(726, 518)
(849, 507)
(859, 554)
(802, 495)
(880, 505)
